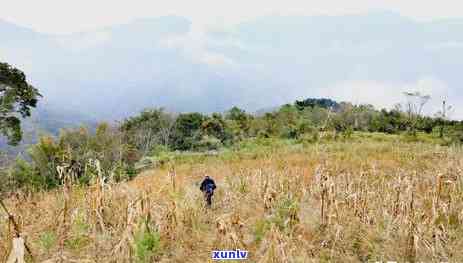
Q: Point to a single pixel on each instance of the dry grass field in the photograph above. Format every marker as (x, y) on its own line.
(333, 202)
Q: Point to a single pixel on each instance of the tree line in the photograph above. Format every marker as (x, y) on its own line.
(119, 147)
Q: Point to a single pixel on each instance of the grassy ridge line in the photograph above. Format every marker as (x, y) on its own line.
(269, 202)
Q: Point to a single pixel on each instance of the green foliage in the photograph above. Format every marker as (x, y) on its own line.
(23, 174)
(322, 103)
(186, 131)
(286, 214)
(207, 143)
(45, 158)
(317, 116)
(454, 135)
(48, 240)
(17, 97)
(147, 245)
(77, 242)
(260, 229)
(157, 158)
(79, 237)
(76, 149)
(348, 132)
(241, 120)
(309, 138)
(304, 120)
(216, 126)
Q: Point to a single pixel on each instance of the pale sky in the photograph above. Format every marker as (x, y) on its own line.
(64, 16)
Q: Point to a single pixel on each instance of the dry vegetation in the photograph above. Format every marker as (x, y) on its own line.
(334, 202)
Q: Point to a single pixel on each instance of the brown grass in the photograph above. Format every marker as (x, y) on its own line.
(336, 202)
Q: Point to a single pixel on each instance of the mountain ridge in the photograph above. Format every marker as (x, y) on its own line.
(114, 72)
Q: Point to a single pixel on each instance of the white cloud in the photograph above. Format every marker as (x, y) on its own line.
(194, 45)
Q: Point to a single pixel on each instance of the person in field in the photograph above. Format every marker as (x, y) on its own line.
(207, 187)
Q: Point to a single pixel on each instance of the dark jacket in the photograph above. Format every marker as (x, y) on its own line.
(208, 185)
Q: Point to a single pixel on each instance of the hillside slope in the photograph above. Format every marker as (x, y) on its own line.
(345, 201)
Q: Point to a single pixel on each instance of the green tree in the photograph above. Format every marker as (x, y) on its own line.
(241, 118)
(312, 103)
(17, 97)
(317, 115)
(187, 131)
(217, 127)
(286, 120)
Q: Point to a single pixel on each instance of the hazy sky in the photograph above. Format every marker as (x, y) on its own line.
(64, 16)
(376, 71)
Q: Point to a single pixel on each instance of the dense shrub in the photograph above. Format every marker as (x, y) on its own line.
(208, 143)
(304, 120)
(454, 136)
(186, 131)
(75, 149)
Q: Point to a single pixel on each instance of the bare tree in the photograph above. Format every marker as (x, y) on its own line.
(149, 129)
(146, 137)
(414, 107)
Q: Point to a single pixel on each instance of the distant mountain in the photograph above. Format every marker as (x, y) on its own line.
(46, 120)
(50, 120)
(116, 71)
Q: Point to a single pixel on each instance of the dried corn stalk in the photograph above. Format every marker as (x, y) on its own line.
(17, 251)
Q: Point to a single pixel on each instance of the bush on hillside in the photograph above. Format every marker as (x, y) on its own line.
(76, 150)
